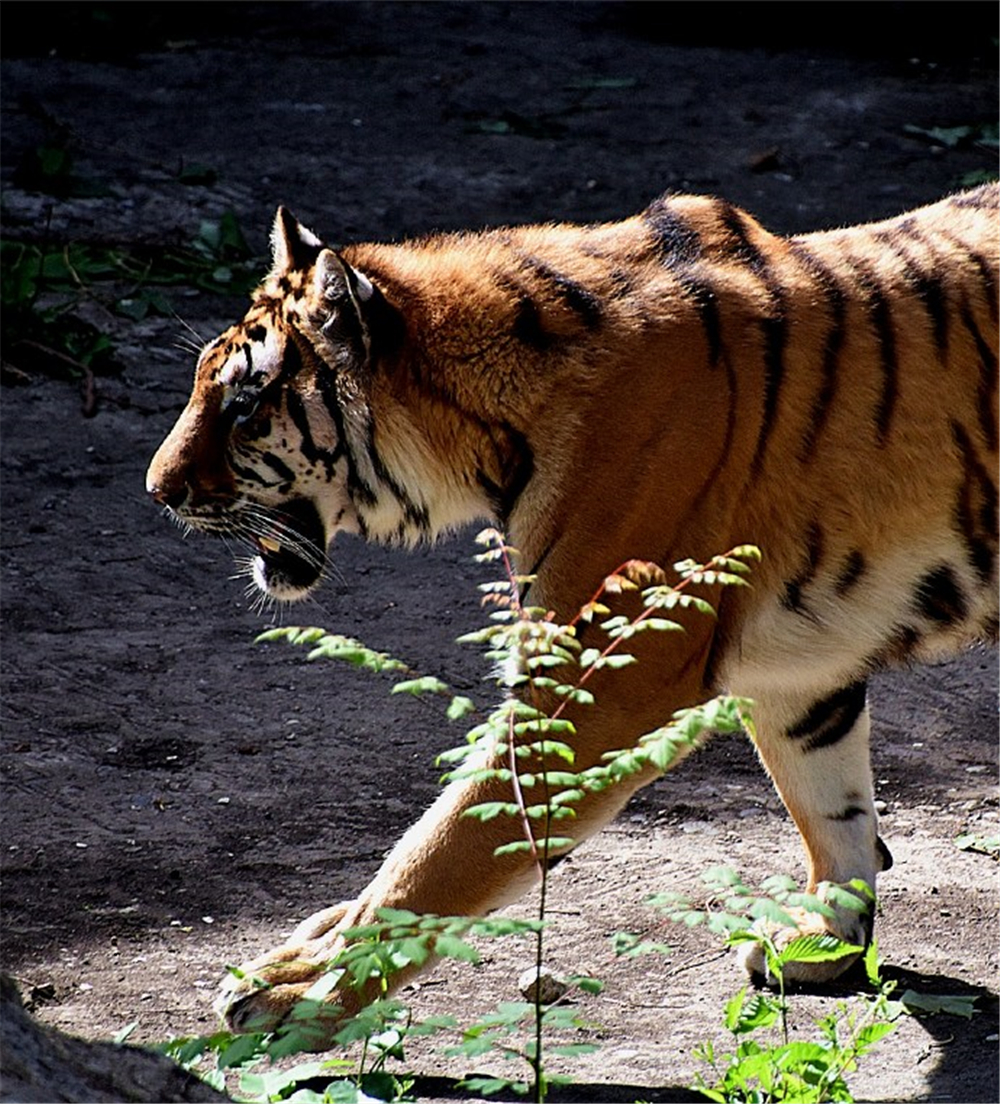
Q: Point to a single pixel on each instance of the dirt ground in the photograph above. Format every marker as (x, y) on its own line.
(174, 796)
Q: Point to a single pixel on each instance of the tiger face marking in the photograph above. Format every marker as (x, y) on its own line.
(669, 385)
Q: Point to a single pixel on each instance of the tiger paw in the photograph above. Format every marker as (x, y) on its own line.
(851, 926)
(268, 992)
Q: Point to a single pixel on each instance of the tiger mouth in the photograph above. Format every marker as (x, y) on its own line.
(290, 550)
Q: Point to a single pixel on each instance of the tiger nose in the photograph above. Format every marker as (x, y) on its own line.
(172, 497)
(167, 484)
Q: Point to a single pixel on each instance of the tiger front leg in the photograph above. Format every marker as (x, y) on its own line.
(816, 751)
(444, 865)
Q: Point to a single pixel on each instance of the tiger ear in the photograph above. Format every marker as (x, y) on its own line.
(293, 246)
(333, 279)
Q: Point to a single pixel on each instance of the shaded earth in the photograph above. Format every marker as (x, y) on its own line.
(174, 795)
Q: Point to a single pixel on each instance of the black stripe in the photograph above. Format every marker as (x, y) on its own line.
(984, 268)
(881, 319)
(702, 294)
(679, 247)
(851, 812)
(977, 474)
(581, 301)
(987, 380)
(976, 521)
(310, 450)
(773, 324)
(852, 571)
(900, 644)
(248, 475)
(735, 221)
(931, 291)
(775, 336)
(926, 283)
(983, 198)
(830, 720)
(412, 513)
(279, 466)
(357, 488)
(791, 598)
(832, 345)
(988, 280)
(292, 361)
(622, 284)
(677, 243)
(938, 597)
(528, 328)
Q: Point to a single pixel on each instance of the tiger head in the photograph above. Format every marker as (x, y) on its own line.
(260, 452)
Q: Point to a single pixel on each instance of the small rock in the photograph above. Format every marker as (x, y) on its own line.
(541, 985)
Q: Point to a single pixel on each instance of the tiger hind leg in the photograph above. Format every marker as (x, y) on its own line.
(816, 752)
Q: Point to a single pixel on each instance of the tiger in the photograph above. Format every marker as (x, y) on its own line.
(670, 385)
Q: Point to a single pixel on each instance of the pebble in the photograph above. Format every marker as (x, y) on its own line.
(542, 985)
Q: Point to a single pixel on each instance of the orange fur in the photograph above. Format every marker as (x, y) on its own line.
(666, 386)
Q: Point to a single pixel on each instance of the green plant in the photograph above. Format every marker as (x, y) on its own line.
(982, 136)
(984, 845)
(377, 1033)
(763, 1068)
(45, 288)
(526, 742)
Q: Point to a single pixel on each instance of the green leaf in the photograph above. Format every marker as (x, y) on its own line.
(416, 951)
(724, 877)
(817, 948)
(870, 1034)
(873, 965)
(616, 661)
(450, 946)
(427, 684)
(125, 1032)
(763, 909)
(459, 707)
(858, 899)
(742, 1016)
(399, 916)
(489, 810)
(575, 694)
(490, 1086)
(985, 845)
(933, 1003)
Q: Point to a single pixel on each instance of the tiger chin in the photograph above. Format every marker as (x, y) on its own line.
(666, 386)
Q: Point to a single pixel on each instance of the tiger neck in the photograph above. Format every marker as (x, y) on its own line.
(442, 438)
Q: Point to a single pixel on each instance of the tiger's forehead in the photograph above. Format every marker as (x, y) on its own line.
(250, 350)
